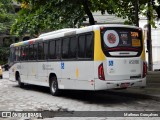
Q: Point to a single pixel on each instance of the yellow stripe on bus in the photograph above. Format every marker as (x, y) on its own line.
(98, 53)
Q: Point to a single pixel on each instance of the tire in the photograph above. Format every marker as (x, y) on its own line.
(54, 90)
(1, 77)
(20, 84)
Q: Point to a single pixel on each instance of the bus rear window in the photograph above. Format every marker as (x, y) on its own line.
(116, 39)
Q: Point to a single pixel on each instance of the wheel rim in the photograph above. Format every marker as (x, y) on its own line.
(54, 86)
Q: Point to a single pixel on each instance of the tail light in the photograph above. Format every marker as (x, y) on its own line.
(101, 72)
(144, 69)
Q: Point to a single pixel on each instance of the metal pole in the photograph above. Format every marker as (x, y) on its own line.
(149, 39)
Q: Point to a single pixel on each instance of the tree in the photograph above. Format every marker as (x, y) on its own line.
(38, 16)
(6, 15)
(6, 20)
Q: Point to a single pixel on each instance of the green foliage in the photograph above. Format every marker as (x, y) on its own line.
(6, 15)
(52, 15)
(6, 20)
(38, 16)
(4, 53)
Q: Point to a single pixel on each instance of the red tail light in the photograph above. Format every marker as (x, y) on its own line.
(101, 72)
(144, 69)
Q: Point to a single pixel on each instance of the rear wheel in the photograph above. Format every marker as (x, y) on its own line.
(21, 85)
(54, 86)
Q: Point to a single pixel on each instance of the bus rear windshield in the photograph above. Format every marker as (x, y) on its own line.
(121, 42)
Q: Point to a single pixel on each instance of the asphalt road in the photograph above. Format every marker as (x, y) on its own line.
(36, 98)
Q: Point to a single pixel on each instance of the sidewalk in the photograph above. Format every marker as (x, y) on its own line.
(153, 85)
(152, 89)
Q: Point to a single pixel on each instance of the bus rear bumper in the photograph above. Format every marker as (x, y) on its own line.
(103, 85)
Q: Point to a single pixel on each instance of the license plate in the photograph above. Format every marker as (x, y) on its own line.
(124, 85)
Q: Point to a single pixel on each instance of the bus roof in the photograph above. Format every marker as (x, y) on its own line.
(67, 32)
(56, 32)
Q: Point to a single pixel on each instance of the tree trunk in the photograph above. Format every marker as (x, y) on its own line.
(88, 12)
(136, 13)
(149, 39)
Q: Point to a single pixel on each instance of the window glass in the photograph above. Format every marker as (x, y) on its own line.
(46, 50)
(23, 53)
(58, 49)
(81, 46)
(35, 51)
(116, 39)
(52, 50)
(20, 57)
(27, 52)
(40, 51)
(73, 47)
(89, 46)
(12, 51)
(65, 48)
(19, 53)
(31, 50)
(16, 54)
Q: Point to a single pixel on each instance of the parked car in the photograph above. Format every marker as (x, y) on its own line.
(1, 76)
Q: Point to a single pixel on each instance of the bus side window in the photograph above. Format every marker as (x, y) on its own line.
(52, 50)
(73, 47)
(58, 49)
(23, 53)
(20, 59)
(89, 46)
(19, 53)
(27, 52)
(40, 51)
(45, 50)
(12, 51)
(35, 51)
(81, 46)
(65, 48)
(31, 50)
(16, 54)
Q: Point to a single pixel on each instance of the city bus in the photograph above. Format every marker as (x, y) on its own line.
(97, 57)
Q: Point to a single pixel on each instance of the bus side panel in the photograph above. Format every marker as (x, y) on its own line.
(32, 72)
(12, 72)
(54, 67)
(24, 72)
(68, 69)
(42, 72)
(85, 72)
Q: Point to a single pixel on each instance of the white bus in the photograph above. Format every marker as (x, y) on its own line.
(97, 57)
